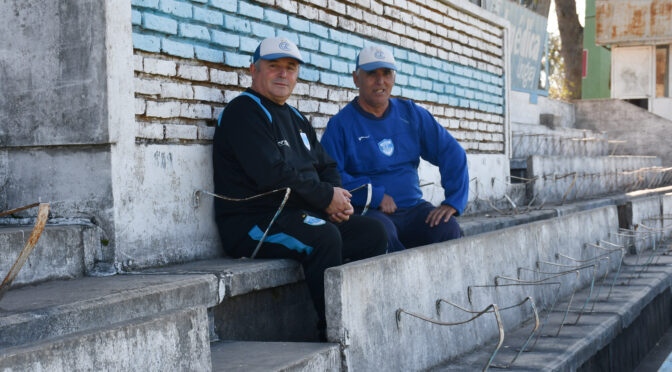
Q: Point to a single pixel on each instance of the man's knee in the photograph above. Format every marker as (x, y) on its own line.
(446, 231)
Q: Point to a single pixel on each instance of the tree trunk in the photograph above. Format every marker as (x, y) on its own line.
(571, 36)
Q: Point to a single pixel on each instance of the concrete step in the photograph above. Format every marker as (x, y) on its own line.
(257, 300)
(233, 356)
(59, 308)
(62, 252)
(528, 140)
(168, 341)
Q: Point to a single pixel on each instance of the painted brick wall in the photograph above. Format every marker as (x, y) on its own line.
(191, 58)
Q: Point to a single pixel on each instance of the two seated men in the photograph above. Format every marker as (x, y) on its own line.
(263, 144)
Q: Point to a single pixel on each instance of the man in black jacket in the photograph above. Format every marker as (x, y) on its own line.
(262, 144)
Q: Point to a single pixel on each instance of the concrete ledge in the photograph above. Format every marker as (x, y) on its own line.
(363, 296)
(172, 341)
(275, 356)
(62, 252)
(58, 308)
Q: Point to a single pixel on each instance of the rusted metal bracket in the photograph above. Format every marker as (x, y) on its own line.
(42, 215)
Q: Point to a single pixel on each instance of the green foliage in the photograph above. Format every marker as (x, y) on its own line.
(559, 87)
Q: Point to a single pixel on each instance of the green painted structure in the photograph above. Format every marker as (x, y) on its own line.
(596, 83)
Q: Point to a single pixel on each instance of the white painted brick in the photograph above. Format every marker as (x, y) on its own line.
(449, 112)
(411, 32)
(470, 115)
(430, 50)
(384, 23)
(498, 137)
(328, 108)
(346, 24)
(317, 91)
(301, 89)
(163, 109)
(267, 2)
(443, 122)
(478, 136)
(338, 95)
(175, 90)
(149, 131)
(337, 6)
(137, 62)
(363, 29)
(376, 7)
(363, 3)
(292, 102)
(352, 94)
(308, 11)
(160, 67)
(467, 135)
(197, 73)
(146, 86)
(229, 95)
(244, 80)
(354, 12)
(460, 113)
(308, 105)
(454, 123)
(403, 4)
(464, 124)
(392, 38)
(482, 127)
(140, 106)
(206, 133)
(327, 18)
(223, 77)
(398, 28)
(208, 94)
(437, 110)
(319, 122)
(177, 131)
(288, 5)
(217, 112)
(195, 111)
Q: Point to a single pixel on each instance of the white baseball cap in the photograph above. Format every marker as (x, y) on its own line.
(276, 47)
(373, 57)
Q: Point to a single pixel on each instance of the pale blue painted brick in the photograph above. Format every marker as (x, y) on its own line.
(339, 66)
(464, 103)
(483, 87)
(194, 32)
(437, 87)
(448, 67)
(146, 3)
(478, 75)
(400, 53)
(443, 99)
(449, 89)
(427, 61)
(250, 10)
(431, 96)
(445, 77)
(299, 24)
(353, 67)
(237, 24)
(396, 91)
(210, 55)
(309, 74)
(227, 5)
(208, 16)
(468, 72)
(248, 44)
(328, 48)
(306, 57)
(437, 63)
(401, 79)
(406, 68)
(473, 84)
(355, 41)
(146, 42)
(347, 53)
(426, 84)
(459, 92)
(469, 93)
(158, 23)
(328, 78)
(480, 96)
(406, 92)
(136, 17)
(500, 100)
(319, 30)
(225, 39)
(176, 8)
(452, 101)
(292, 36)
(414, 82)
(308, 42)
(236, 60)
(473, 105)
(420, 95)
(413, 57)
(346, 81)
(262, 30)
(275, 17)
(200, 1)
(420, 71)
(483, 107)
(176, 48)
(338, 36)
(433, 74)
(320, 61)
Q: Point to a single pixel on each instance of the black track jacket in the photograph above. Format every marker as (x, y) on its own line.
(253, 153)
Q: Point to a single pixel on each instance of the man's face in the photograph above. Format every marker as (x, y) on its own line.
(374, 86)
(275, 79)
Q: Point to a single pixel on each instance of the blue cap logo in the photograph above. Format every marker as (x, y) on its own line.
(379, 54)
(284, 45)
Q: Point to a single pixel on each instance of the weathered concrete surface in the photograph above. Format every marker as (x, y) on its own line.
(645, 133)
(59, 308)
(171, 341)
(624, 22)
(415, 279)
(61, 99)
(62, 252)
(529, 113)
(275, 356)
(596, 330)
(570, 178)
(528, 140)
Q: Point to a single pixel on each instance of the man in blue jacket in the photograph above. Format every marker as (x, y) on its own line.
(379, 140)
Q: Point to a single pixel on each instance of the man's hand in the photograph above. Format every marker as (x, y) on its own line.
(387, 205)
(340, 209)
(442, 212)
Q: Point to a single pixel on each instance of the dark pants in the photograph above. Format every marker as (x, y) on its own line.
(406, 228)
(308, 238)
